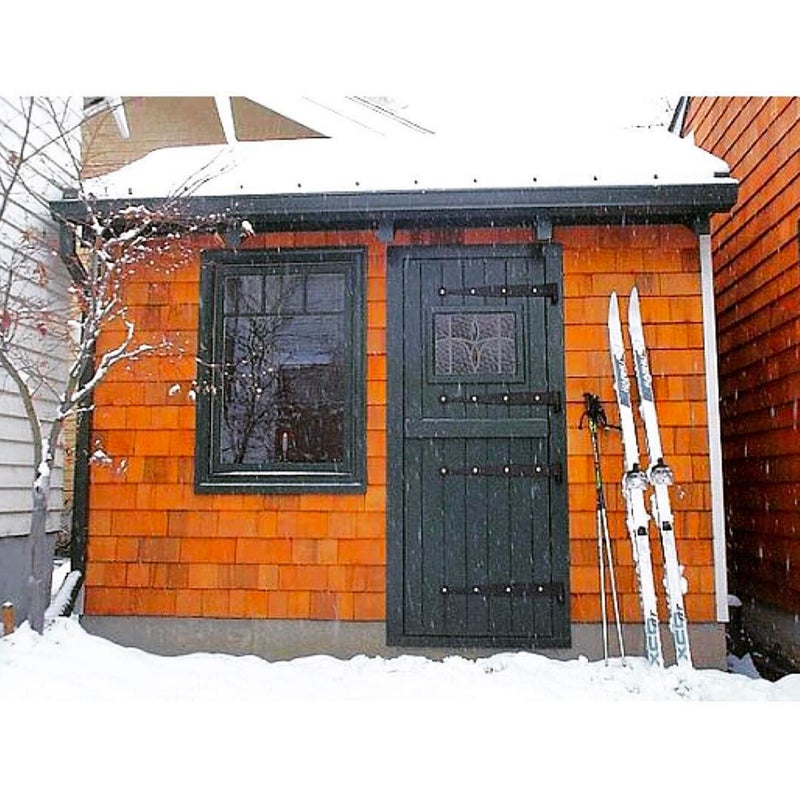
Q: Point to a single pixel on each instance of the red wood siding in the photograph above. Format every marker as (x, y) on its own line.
(663, 262)
(156, 547)
(757, 287)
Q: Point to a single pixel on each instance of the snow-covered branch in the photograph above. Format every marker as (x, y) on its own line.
(108, 359)
(83, 313)
(63, 596)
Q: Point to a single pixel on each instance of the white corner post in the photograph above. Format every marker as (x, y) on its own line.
(714, 428)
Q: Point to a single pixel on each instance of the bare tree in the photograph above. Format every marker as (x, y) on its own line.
(110, 247)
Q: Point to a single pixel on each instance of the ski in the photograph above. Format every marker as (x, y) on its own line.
(659, 476)
(634, 485)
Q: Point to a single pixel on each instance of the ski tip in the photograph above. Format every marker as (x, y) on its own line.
(633, 307)
(613, 313)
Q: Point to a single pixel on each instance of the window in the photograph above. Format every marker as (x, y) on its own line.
(475, 343)
(281, 372)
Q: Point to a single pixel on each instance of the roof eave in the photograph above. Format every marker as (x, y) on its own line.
(668, 202)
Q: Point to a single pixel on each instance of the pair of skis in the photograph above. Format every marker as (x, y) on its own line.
(636, 481)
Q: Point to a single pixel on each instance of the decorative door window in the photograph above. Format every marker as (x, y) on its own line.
(474, 343)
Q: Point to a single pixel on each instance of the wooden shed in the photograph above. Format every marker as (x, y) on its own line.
(757, 292)
(371, 441)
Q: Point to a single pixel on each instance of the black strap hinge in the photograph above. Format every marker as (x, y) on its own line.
(506, 471)
(506, 290)
(508, 399)
(549, 590)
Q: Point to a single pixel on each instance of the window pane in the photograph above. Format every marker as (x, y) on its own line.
(283, 389)
(284, 293)
(310, 339)
(243, 294)
(311, 414)
(478, 343)
(325, 293)
(247, 427)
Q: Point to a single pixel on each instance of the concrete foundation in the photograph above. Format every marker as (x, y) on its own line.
(277, 640)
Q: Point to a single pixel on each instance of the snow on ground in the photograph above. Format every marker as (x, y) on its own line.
(67, 663)
(119, 722)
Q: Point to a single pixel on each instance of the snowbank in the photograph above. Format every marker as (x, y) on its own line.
(69, 664)
(131, 724)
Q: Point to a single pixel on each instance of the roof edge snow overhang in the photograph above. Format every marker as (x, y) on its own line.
(682, 203)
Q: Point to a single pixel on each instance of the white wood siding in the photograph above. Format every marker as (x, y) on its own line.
(29, 236)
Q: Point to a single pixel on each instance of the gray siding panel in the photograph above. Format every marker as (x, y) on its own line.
(28, 215)
(15, 557)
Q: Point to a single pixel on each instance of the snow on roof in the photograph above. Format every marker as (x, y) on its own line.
(337, 116)
(625, 157)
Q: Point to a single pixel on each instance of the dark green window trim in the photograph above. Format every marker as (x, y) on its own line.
(345, 471)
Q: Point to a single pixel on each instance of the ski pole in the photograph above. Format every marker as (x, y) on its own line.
(596, 417)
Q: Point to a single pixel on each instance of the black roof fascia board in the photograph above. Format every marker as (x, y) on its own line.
(326, 210)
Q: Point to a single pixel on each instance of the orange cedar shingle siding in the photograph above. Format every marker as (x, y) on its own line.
(758, 295)
(662, 262)
(156, 547)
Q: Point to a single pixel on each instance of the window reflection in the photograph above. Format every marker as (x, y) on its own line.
(284, 369)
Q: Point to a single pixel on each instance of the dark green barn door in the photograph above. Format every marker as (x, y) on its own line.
(478, 519)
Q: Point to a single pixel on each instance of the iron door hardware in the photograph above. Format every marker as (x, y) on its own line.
(506, 471)
(554, 590)
(508, 399)
(507, 290)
